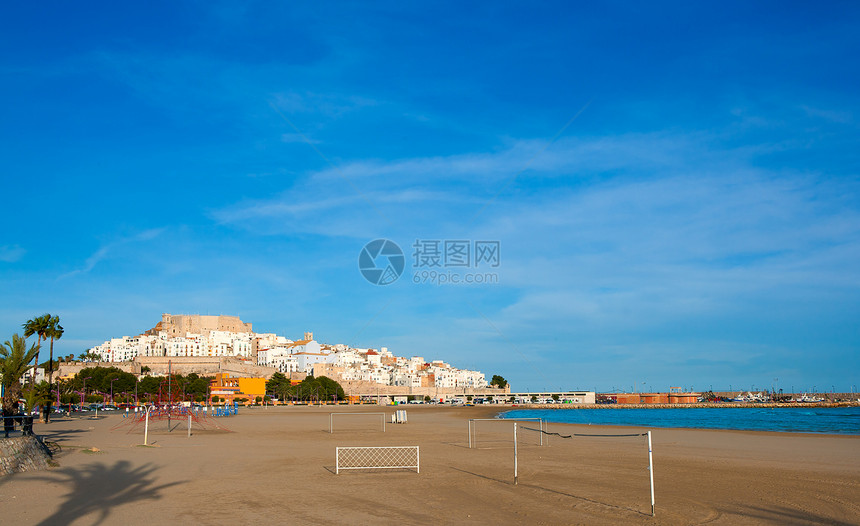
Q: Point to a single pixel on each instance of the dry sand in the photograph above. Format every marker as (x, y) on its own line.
(277, 467)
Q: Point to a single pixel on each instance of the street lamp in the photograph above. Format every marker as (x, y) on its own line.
(85, 389)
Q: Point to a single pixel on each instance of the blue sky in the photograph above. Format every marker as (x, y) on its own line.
(674, 186)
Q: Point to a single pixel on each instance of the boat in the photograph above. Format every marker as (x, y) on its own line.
(805, 398)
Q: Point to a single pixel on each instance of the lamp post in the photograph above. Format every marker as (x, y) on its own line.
(85, 389)
(111, 389)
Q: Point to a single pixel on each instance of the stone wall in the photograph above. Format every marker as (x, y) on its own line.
(204, 366)
(372, 389)
(24, 453)
(69, 369)
(158, 366)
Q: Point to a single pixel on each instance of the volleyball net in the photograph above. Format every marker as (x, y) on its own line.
(622, 454)
(490, 433)
(356, 422)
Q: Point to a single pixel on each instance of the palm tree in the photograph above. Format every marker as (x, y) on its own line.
(38, 326)
(14, 361)
(54, 332)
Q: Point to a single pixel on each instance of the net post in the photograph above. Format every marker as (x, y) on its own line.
(469, 423)
(540, 426)
(383, 422)
(330, 423)
(146, 428)
(417, 460)
(651, 472)
(337, 461)
(515, 454)
(189, 425)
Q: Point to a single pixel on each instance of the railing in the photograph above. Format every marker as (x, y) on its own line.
(23, 422)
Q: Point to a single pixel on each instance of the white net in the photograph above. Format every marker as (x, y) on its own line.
(379, 457)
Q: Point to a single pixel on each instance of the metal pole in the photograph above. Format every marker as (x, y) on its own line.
(470, 433)
(417, 460)
(337, 461)
(189, 424)
(651, 472)
(146, 428)
(330, 418)
(515, 453)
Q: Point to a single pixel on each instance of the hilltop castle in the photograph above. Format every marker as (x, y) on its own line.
(178, 325)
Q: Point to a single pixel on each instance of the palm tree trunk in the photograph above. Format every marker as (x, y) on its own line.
(47, 407)
(36, 365)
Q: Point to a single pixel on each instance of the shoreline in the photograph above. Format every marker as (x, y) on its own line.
(714, 405)
(498, 414)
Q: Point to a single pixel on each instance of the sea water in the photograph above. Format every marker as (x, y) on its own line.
(837, 420)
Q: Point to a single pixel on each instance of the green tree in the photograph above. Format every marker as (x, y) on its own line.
(198, 386)
(15, 359)
(329, 388)
(149, 385)
(498, 381)
(99, 379)
(555, 397)
(280, 385)
(36, 395)
(38, 326)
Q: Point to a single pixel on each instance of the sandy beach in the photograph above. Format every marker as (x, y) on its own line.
(276, 466)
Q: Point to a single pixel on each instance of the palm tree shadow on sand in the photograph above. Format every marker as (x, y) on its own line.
(98, 488)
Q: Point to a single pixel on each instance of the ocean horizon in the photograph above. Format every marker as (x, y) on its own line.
(820, 420)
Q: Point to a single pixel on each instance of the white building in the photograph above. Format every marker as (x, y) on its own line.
(288, 356)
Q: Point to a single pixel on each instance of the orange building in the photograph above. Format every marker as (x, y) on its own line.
(230, 389)
(683, 398)
(656, 398)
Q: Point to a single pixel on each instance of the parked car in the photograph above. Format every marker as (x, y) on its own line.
(109, 407)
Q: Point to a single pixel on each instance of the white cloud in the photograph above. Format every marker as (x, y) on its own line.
(11, 253)
(103, 252)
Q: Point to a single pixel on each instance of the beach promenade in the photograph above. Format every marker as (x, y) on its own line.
(277, 466)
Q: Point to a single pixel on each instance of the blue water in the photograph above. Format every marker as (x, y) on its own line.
(837, 420)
